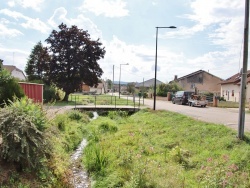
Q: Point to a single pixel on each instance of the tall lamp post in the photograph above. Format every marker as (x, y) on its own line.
(171, 27)
(120, 79)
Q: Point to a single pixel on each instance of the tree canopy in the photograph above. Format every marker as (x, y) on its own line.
(70, 59)
(163, 89)
(38, 63)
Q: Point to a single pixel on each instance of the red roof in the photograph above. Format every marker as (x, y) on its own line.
(235, 79)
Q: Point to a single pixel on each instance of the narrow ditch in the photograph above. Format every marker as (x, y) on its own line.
(80, 175)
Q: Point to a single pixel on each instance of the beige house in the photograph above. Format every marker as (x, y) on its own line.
(201, 81)
(99, 89)
(15, 72)
(230, 88)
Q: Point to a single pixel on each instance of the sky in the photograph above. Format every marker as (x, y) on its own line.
(209, 34)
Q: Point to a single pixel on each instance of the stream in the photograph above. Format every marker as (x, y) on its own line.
(80, 175)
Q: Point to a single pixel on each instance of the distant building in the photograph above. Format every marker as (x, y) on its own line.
(15, 72)
(201, 81)
(148, 83)
(99, 89)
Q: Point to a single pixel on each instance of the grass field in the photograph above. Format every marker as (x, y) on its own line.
(164, 149)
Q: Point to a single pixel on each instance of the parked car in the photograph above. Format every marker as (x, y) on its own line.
(197, 100)
(181, 97)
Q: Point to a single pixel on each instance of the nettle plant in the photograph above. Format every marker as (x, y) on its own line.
(21, 127)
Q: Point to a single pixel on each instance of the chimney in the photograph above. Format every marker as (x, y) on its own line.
(175, 77)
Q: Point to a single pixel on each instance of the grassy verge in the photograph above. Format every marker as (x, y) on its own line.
(164, 149)
(79, 99)
(228, 104)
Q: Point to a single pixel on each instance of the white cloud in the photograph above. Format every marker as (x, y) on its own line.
(36, 24)
(7, 32)
(141, 61)
(13, 14)
(82, 22)
(226, 17)
(108, 8)
(30, 23)
(34, 4)
(11, 3)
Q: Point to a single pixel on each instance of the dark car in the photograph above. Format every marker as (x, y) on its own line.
(181, 97)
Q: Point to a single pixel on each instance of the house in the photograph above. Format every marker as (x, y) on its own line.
(230, 88)
(15, 72)
(148, 83)
(201, 81)
(99, 89)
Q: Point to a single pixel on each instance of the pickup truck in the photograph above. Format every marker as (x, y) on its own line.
(197, 100)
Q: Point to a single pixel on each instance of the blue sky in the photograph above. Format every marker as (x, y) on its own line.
(209, 34)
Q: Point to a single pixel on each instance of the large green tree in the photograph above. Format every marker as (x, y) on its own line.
(37, 67)
(73, 59)
(70, 59)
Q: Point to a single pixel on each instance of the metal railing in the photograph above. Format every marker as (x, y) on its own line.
(106, 100)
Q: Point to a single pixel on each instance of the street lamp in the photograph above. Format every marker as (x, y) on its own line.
(120, 79)
(171, 27)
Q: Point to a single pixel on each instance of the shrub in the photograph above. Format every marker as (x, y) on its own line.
(22, 142)
(49, 94)
(108, 127)
(117, 114)
(9, 88)
(52, 93)
(32, 110)
(75, 115)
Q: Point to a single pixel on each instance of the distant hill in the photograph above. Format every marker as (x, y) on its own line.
(121, 82)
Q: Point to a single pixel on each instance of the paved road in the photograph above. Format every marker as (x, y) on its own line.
(225, 116)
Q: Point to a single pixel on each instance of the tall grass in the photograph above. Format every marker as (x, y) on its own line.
(166, 149)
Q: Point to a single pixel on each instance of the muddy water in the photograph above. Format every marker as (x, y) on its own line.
(80, 175)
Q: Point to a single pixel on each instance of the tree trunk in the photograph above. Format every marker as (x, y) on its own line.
(66, 98)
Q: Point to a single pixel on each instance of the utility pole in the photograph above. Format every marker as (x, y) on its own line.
(113, 80)
(243, 85)
(143, 92)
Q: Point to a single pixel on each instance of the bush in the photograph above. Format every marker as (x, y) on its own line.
(52, 93)
(117, 114)
(49, 94)
(34, 111)
(76, 115)
(22, 142)
(163, 89)
(9, 88)
(108, 126)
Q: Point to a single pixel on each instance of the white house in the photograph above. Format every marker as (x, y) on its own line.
(230, 88)
(100, 89)
(15, 72)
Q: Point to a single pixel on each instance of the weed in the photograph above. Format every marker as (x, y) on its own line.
(95, 159)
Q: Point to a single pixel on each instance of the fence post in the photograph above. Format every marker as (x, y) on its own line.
(139, 101)
(127, 100)
(111, 100)
(75, 101)
(115, 101)
(95, 101)
(134, 103)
